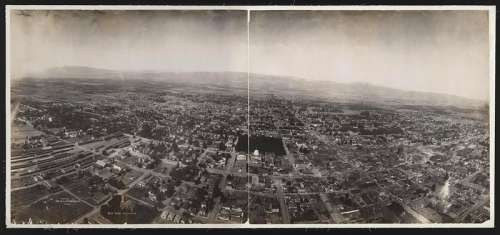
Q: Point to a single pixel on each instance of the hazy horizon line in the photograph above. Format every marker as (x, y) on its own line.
(288, 77)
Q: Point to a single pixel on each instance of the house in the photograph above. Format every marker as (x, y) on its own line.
(117, 168)
(241, 157)
(164, 215)
(152, 196)
(100, 163)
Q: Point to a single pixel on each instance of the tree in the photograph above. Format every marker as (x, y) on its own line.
(175, 148)
(170, 190)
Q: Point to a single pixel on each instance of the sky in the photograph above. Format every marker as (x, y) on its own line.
(434, 51)
(178, 41)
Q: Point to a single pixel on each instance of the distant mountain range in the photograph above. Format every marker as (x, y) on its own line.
(261, 85)
(356, 92)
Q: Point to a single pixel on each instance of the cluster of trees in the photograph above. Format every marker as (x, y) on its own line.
(117, 183)
(187, 173)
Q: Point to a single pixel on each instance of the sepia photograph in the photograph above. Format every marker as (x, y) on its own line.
(250, 117)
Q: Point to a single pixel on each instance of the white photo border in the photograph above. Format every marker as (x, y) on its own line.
(492, 39)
